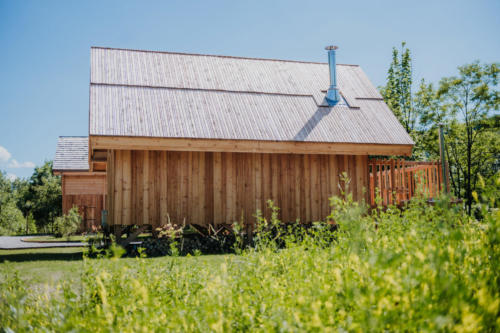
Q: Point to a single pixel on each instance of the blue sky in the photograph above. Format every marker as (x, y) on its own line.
(45, 46)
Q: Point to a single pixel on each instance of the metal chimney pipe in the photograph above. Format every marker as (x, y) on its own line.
(332, 95)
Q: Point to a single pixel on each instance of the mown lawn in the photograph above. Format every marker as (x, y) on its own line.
(54, 265)
(74, 238)
(40, 266)
(53, 239)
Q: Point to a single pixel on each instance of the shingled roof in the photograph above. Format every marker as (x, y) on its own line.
(176, 95)
(72, 154)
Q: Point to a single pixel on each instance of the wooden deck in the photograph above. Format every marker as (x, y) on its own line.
(397, 181)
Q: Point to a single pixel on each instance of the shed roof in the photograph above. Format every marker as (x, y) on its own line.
(72, 154)
(176, 95)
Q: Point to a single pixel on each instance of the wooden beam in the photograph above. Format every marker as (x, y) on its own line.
(245, 146)
(99, 166)
(110, 197)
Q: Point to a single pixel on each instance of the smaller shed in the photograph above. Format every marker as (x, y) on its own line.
(80, 187)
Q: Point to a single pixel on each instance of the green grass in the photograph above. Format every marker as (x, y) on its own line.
(53, 239)
(40, 266)
(55, 265)
(74, 238)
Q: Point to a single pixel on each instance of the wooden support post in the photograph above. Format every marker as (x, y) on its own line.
(443, 158)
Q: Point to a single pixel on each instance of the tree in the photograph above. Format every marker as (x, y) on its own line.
(472, 96)
(425, 134)
(20, 189)
(465, 105)
(397, 92)
(36, 201)
(44, 195)
(11, 218)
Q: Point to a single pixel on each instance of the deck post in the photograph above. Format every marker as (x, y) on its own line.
(393, 183)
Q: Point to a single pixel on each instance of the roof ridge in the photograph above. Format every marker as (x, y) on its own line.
(73, 136)
(198, 89)
(217, 56)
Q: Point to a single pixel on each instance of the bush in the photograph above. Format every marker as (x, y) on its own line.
(68, 224)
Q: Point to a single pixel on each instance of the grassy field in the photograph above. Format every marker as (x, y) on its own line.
(426, 268)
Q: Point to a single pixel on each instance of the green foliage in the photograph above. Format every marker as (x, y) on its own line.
(239, 237)
(38, 200)
(20, 188)
(12, 221)
(472, 96)
(68, 224)
(426, 138)
(268, 233)
(426, 268)
(466, 105)
(5, 190)
(397, 92)
(11, 218)
(30, 224)
(44, 195)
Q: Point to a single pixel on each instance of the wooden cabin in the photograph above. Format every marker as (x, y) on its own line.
(80, 187)
(209, 139)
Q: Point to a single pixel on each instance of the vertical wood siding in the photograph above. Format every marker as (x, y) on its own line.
(151, 187)
(87, 193)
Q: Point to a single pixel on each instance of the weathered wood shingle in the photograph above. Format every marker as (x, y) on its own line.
(72, 154)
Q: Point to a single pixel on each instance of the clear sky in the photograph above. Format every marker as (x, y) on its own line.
(45, 47)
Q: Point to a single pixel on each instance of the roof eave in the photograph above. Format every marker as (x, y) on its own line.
(248, 146)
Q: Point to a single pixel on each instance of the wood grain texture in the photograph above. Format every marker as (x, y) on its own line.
(247, 146)
(221, 188)
(88, 193)
(397, 181)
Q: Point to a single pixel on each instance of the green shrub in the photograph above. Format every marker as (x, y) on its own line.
(68, 224)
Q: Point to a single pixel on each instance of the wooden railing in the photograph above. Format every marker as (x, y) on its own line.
(397, 181)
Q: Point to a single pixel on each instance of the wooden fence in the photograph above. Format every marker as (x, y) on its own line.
(397, 181)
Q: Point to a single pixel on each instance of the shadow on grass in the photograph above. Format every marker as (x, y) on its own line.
(33, 256)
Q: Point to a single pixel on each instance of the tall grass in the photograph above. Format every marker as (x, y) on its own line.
(429, 268)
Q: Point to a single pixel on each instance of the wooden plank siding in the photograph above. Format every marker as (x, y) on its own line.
(88, 193)
(152, 187)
